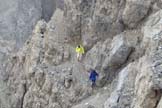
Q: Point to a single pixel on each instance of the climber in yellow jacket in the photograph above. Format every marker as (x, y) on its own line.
(80, 51)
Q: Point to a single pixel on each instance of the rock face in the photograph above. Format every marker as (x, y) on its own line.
(122, 40)
(18, 19)
(93, 20)
(123, 94)
(119, 52)
(48, 7)
(135, 11)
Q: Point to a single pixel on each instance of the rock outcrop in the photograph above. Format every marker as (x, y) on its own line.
(122, 40)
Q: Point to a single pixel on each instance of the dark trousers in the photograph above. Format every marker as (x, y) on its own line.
(93, 83)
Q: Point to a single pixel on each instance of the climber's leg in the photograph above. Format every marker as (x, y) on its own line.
(78, 55)
(93, 83)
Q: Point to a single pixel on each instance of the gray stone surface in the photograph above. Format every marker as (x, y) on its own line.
(91, 20)
(123, 95)
(135, 11)
(160, 104)
(18, 19)
(48, 8)
(119, 52)
(45, 73)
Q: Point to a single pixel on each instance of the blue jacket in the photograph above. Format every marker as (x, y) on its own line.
(93, 75)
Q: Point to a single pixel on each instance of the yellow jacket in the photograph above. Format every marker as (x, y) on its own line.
(80, 50)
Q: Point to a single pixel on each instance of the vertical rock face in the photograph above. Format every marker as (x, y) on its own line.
(45, 73)
(48, 7)
(18, 19)
(119, 52)
(144, 90)
(135, 11)
(146, 95)
(122, 96)
(91, 20)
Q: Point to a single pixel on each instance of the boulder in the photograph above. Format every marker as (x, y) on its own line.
(119, 52)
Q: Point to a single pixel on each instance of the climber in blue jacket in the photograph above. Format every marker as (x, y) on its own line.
(93, 76)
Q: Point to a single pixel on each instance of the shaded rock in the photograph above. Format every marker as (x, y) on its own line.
(107, 18)
(135, 11)
(90, 106)
(46, 74)
(159, 104)
(119, 52)
(18, 18)
(48, 8)
(89, 21)
(123, 95)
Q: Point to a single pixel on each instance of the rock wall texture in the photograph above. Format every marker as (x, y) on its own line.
(122, 40)
(18, 19)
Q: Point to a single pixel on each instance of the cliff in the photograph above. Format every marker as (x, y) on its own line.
(122, 41)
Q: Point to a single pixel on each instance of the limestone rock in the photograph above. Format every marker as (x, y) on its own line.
(123, 95)
(150, 72)
(159, 104)
(119, 52)
(152, 39)
(91, 21)
(145, 96)
(135, 11)
(45, 73)
(18, 19)
(152, 31)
